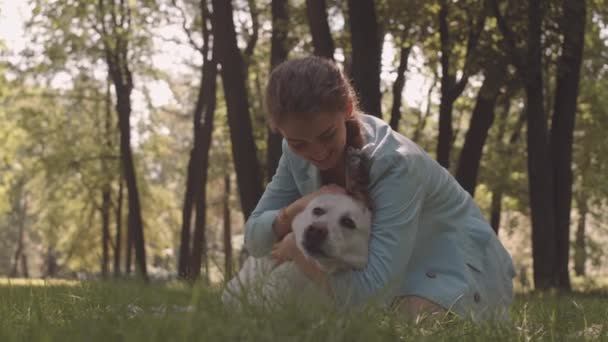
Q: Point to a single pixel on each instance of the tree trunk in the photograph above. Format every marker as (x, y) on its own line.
(129, 256)
(506, 153)
(199, 245)
(580, 249)
(243, 145)
(134, 215)
(115, 38)
(105, 229)
(118, 241)
(278, 54)
(481, 121)
(227, 229)
(366, 51)
(540, 173)
(24, 268)
(106, 191)
(21, 210)
(496, 209)
(51, 263)
(322, 41)
(564, 113)
(451, 88)
(190, 259)
(399, 85)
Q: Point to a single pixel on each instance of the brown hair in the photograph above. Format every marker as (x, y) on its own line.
(307, 86)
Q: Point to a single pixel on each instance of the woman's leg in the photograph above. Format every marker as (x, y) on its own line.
(418, 309)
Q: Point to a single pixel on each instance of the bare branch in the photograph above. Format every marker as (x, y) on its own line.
(255, 27)
(186, 29)
(508, 35)
(474, 33)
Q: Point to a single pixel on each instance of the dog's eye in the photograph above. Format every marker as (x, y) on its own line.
(347, 222)
(317, 211)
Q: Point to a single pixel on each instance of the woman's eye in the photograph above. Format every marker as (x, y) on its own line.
(317, 211)
(347, 222)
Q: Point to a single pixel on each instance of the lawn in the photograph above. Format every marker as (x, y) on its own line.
(130, 311)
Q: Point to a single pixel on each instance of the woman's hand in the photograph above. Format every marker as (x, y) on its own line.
(325, 189)
(282, 224)
(285, 250)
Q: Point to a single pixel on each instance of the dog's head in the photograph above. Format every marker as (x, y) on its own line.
(334, 230)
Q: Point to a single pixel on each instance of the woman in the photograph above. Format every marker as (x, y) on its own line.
(431, 251)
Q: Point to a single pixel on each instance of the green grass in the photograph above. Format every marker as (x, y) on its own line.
(129, 311)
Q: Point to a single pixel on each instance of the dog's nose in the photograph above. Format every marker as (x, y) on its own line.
(314, 237)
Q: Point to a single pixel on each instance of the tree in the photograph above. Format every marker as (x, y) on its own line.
(243, 145)
(191, 252)
(114, 27)
(451, 87)
(316, 12)
(366, 50)
(278, 54)
(481, 121)
(562, 127)
(550, 259)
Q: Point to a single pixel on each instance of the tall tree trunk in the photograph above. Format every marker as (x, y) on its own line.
(105, 229)
(243, 145)
(496, 209)
(21, 205)
(115, 37)
(134, 215)
(118, 240)
(540, 173)
(51, 263)
(278, 54)
(481, 121)
(24, 268)
(564, 113)
(227, 229)
(129, 256)
(199, 245)
(399, 84)
(506, 152)
(366, 51)
(106, 191)
(451, 88)
(190, 258)
(322, 41)
(580, 249)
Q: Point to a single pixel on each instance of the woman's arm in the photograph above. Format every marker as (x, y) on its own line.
(279, 193)
(287, 250)
(398, 194)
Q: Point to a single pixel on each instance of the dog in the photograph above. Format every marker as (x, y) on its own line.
(333, 231)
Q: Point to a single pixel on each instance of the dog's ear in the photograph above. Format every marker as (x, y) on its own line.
(357, 175)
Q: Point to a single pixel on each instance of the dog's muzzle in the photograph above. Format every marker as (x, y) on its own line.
(314, 237)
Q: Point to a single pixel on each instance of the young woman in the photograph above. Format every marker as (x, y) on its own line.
(431, 250)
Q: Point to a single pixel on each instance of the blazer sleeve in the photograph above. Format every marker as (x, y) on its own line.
(398, 194)
(280, 192)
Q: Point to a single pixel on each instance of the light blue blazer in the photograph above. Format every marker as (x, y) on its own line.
(428, 237)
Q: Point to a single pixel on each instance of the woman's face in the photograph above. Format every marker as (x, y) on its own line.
(320, 139)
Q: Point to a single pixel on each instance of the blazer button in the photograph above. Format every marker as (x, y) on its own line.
(431, 274)
(477, 297)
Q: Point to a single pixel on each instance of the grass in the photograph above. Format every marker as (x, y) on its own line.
(130, 311)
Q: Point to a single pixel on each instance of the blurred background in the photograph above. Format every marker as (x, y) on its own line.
(133, 138)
